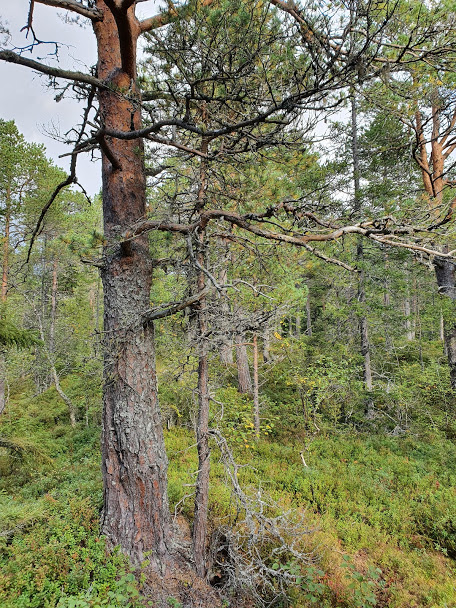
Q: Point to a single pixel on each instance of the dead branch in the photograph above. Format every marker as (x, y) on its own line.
(161, 313)
(75, 7)
(11, 57)
(253, 554)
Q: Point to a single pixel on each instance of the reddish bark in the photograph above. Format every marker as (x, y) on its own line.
(134, 461)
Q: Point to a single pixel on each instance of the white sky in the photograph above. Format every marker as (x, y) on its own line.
(24, 95)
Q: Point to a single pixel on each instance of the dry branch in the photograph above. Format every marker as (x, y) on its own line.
(11, 57)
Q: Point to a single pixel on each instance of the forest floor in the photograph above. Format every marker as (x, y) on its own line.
(377, 513)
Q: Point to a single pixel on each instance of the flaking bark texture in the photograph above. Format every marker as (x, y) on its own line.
(134, 461)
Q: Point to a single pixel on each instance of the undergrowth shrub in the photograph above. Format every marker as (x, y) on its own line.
(62, 561)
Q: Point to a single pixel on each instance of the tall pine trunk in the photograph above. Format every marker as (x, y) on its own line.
(134, 462)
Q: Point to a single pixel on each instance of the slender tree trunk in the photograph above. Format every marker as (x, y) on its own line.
(445, 274)
(308, 316)
(364, 333)
(199, 535)
(134, 461)
(44, 293)
(363, 326)
(266, 343)
(53, 308)
(364, 338)
(242, 361)
(442, 329)
(226, 350)
(5, 265)
(408, 311)
(4, 295)
(226, 353)
(387, 304)
(256, 399)
(51, 347)
(2, 382)
(408, 323)
(63, 395)
(54, 375)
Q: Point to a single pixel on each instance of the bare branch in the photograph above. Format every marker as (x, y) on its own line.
(174, 144)
(322, 256)
(154, 171)
(412, 247)
(75, 7)
(376, 231)
(11, 57)
(154, 315)
(116, 166)
(69, 180)
(29, 25)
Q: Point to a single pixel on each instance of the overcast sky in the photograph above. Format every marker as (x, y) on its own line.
(24, 95)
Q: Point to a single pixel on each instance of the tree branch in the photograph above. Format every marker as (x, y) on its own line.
(322, 256)
(76, 7)
(71, 178)
(174, 144)
(157, 21)
(116, 166)
(154, 315)
(11, 57)
(370, 229)
(162, 19)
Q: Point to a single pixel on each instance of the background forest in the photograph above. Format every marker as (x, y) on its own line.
(310, 311)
